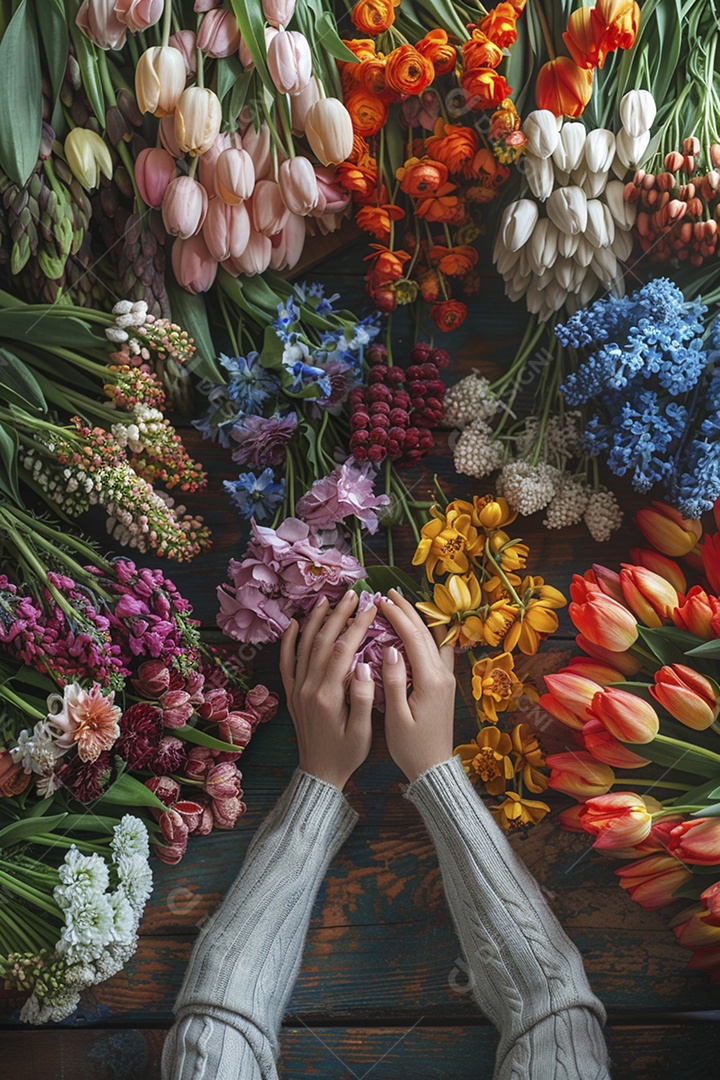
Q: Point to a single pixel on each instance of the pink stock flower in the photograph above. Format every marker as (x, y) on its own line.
(98, 21)
(87, 719)
(380, 636)
(139, 14)
(346, 492)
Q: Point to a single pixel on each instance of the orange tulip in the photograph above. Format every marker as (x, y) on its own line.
(438, 50)
(660, 564)
(651, 597)
(453, 145)
(590, 668)
(696, 612)
(585, 39)
(600, 619)
(625, 715)
(374, 16)
(408, 71)
(368, 112)
(606, 748)
(617, 820)
(480, 52)
(651, 882)
(696, 841)
(574, 692)
(696, 928)
(484, 88)
(688, 696)
(667, 530)
(500, 25)
(618, 21)
(624, 661)
(562, 87)
(421, 176)
(377, 220)
(579, 774)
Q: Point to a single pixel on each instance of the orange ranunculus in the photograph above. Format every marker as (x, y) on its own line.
(429, 283)
(504, 121)
(518, 6)
(486, 167)
(436, 47)
(484, 88)
(377, 219)
(452, 145)
(449, 314)
(368, 112)
(372, 75)
(374, 16)
(386, 266)
(562, 87)
(499, 25)
(408, 71)
(421, 176)
(454, 261)
(440, 205)
(364, 48)
(360, 150)
(480, 51)
(361, 178)
(618, 21)
(585, 39)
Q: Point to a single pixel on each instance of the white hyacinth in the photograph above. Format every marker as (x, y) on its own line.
(527, 487)
(476, 453)
(468, 400)
(567, 505)
(603, 515)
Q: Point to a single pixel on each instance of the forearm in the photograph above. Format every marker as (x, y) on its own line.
(527, 976)
(245, 962)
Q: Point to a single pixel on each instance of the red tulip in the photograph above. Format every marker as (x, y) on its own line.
(562, 87)
(579, 774)
(651, 882)
(606, 748)
(660, 564)
(688, 696)
(696, 841)
(696, 612)
(710, 552)
(651, 597)
(667, 530)
(626, 716)
(617, 820)
(602, 620)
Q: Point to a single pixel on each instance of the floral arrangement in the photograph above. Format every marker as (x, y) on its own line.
(646, 694)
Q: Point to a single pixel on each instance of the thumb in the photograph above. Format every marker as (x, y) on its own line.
(362, 695)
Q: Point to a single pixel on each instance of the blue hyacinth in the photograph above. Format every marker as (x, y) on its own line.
(256, 496)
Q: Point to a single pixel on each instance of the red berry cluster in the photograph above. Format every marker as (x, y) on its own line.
(392, 415)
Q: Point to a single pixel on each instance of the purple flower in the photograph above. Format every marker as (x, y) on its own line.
(379, 637)
(262, 441)
(348, 490)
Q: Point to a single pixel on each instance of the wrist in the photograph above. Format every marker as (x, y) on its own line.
(417, 768)
(335, 777)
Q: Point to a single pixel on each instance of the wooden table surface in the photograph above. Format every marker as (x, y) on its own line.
(382, 991)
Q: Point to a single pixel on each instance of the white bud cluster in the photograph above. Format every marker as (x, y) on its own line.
(127, 315)
(468, 400)
(476, 453)
(568, 504)
(603, 515)
(527, 487)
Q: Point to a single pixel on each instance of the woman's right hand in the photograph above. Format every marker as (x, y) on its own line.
(418, 728)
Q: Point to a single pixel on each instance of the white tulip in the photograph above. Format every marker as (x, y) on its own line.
(584, 252)
(506, 261)
(516, 292)
(540, 176)
(596, 231)
(637, 112)
(579, 273)
(599, 150)
(540, 129)
(604, 265)
(563, 270)
(518, 221)
(567, 245)
(562, 178)
(631, 148)
(622, 245)
(594, 184)
(534, 298)
(572, 138)
(579, 175)
(543, 246)
(623, 212)
(554, 296)
(567, 208)
(524, 263)
(588, 289)
(617, 289)
(609, 224)
(543, 280)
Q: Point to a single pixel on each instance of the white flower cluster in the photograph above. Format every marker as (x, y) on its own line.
(38, 752)
(69, 488)
(476, 453)
(603, 515)
(468, 400)
(562, 257)
(143, 430)
(127, 315)
(100, 932)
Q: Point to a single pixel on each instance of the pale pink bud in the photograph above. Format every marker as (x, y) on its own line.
(227, 811)
(177, 708)
(234, 176)
(167, 136)
(236, 729)
(258, 146)
(269, 212)
(154, 169)
(244, 53)
(301, 102)
(184, 42)
(184, 207)
(159, 80)
(166, 789)
(329, 130)
(223, 780)
(298, 185)
(193, 265)
(255, 259)
(98, 21)
(288, 244)
(218, 34)
(208, 161)
(139, 14)
(226, 230)
(197, 120)
(332, 199)
(278, 12)
(289, 61)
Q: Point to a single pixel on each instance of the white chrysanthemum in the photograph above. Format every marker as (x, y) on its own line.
(89, 928)
(81, 975)
(80, 876)
(476, 453)
(468, 400)
(125, 919)
(603, 515)
(136, 879)
(527, 487)
(567, 505)
(130, 837)
(57, 1007)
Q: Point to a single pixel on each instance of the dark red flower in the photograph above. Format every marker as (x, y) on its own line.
(141, 730)
(169, 757)
(86, 780)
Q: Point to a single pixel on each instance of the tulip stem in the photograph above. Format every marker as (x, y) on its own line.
(636, 781)
(167, 21)
(667, 741)
(675, 810)
(20, 703)
(547, 37)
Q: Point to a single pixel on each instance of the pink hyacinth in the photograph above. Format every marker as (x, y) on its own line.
(380, 636)
(346, 492)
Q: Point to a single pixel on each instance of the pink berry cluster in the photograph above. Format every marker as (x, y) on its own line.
(392, 416)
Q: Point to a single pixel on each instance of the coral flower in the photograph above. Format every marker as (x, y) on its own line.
(651, 882)
(480, 52)
(484, 88)
(516, 812)
(500, 25)
(487, 758)
(455, 261)
(374, 16)
(421, 176)
(438, 50)
(359, 177)
(578, 774)
(529, 758)
(453, 145)
(407, 71)
(368, 112)
(618, 21)
(450, 540)
(87, 719)
(585, 38)
(495, 685)
(449, 314)
(440, 205)
(696, 612)
(562, 87)
(377, 220)
(617, 820)
(387, 265)
(687, 695)
(600, 619)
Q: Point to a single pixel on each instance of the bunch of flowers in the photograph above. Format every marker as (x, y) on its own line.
(646, 694)
(67, 927)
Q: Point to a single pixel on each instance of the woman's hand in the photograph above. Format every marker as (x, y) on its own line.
(332, 739)
(419, 728)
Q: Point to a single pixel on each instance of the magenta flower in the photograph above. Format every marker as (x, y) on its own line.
(141, 730)
(85, 780)
(379, 637)
(346, 492)
(262, 441)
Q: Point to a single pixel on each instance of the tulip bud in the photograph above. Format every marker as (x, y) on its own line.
(567, 208)
(574, 691)
(288, 244)
(569, 150)
(215, 706)
(567, 245)
(226, 811)
(651, 597)
(278, 12)
(667, 530)
(300, 103)
(618, 820)
(268, 211)
(600, 672)
(625, 662)
(193, 265)
(542, 248)
(197, 120)
(99, 22)
(623, 212)
(596, 231)
(628, 717)
(518, 222)
(298, 186)
(176, 708)
(236, 729)
(139, 14)
(579, 774)
(184, 42)
(245, 55)
(223, 780)
(652, 881)
(688, 696)
(154, 169)
(540, 128)
(563, 87)
(172, 826)
(540, 176)
(696, 842)
(262, 703)
(637, 112)
(218, 35)
(329, 130)
(696, 613)
(599, 150)
(594, 184)
(159, 80)
(631, 149)
(622, 244)
(208, 161)
(606, 748)
(660, 564)
(226, 230)
(603, 621)
(289, 61)
(332, 198)
(257, 144)
(167, 136)
(88, 157)
(255, 259)
(184, 207)
(234, 176)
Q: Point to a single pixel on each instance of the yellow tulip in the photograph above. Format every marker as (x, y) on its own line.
(87, 156)
(159, 80)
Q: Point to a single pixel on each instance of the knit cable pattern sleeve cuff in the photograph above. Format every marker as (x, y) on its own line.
(314, 810)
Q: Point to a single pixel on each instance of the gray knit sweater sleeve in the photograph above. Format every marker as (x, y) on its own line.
(526, 975)
(244, 964)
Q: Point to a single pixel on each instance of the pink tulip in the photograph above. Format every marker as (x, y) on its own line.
(325, 223)
(235, 729)
(289, 61)
(278, 12)
(193, 265)
(332, 199)
(227, 811)
(153, 677)
(244, 53)
(154, 169)
(199, 760)
(218, 35)
(208, 161)
(184, 42)
(329, 131)
(269, 212)
(255, 259)
(176, 708)
(234, 176)
(172, 826)
(288, 244)
(298, 185)
(258, 146)
(223, 780)
(167, 136)
(300, 103)
(190, 812)
(98, 21)
(226, 230)
(216, 705)
(201, 6)
(139, 14)
(184, 207)
(206, 821)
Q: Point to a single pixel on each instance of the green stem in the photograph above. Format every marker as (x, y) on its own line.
(14, 699)
(167, 21)
(667, 741)
(636, 781)
(28, 893)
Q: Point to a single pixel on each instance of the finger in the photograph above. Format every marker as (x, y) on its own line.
(446, 652)
(349, 641)
(362, 695)
(310, 629)
(394, 678)
(333, 626)
(288, 646)
(419, 645)
(410, 610)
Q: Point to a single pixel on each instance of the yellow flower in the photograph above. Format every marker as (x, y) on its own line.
(529, 758)
(450, 540)
(498, 621)
(511, 554)
(490, 513)
(495, 685)
(487, 758)
(455, 603)
(538, 618)
(515, 812)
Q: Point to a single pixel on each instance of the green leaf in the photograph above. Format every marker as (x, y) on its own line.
(444, 14)
(21, 97)
(201, 738)
(329, 41)
(55, 40)
(128, 791)
(310, 437)
(707, 649)
(707, 811)
(90, 823)
(86, 55)
(672, 757)
(382, 578)
(711, 790)
(667, 643)
(190, 312)
(252, 27)
(272, 350)
(9, 444)
(691, 890)
(27, 327)
(238, 97)
(29, 827)
(229, 70)
(18, 381)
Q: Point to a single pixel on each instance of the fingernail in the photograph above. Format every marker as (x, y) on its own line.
(391, 655)
(363, 673)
